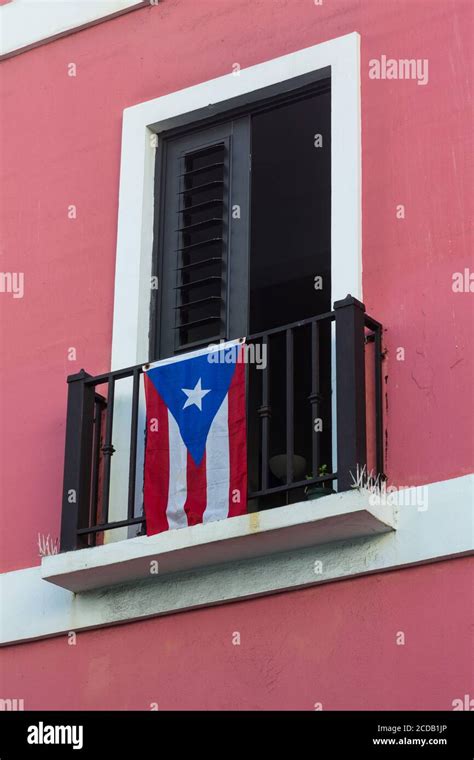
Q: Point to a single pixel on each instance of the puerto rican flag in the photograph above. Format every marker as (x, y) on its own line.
(195, 455)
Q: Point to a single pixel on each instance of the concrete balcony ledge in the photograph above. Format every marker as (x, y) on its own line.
(238, 559)
(337, 517)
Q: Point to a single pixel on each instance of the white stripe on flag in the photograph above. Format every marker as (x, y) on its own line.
(177, 490)
(217, 466)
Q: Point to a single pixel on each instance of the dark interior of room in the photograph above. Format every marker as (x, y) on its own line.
(290, 247)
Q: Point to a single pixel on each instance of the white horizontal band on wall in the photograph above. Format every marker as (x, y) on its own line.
(27, 23)
(439, 526)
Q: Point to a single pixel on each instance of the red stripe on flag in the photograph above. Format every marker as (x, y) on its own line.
(196, 483)
(157, 465)
(237, 442)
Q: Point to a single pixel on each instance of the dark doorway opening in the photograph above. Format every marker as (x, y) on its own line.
(290, 213)
(290, 276)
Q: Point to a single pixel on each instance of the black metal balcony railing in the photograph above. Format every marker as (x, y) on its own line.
(294, 385)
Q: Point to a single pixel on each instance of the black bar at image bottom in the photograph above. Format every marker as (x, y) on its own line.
(371, 734)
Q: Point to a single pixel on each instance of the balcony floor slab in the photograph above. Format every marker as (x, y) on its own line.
(337, 517)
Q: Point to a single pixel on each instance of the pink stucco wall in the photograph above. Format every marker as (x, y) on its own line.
(60, 144)
(335, 644)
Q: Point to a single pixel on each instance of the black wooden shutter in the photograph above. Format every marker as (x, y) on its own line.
(203, 231)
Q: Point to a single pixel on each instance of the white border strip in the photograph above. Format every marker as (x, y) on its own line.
(27, 23)
(135, 215)
(441, 529)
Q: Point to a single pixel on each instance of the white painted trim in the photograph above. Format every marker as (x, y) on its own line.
(27, 23)
(130, 336)
(335, 517)
(135, 216)
(444, 530)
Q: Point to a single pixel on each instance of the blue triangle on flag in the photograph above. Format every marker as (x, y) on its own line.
(205, 385)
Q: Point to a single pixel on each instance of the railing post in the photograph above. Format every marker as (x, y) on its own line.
(350, 390)
(77, 460)
(379, 443)
(265, 413)
(315, 398)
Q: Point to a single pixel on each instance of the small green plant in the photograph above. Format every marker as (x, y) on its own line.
(322, 470)
(323, 488)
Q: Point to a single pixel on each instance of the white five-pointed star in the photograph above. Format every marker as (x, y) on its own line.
(195, 395)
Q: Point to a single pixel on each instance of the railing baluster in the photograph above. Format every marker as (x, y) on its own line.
(78, 461)
(350, 390)
(265, 412)
(315, 399)
(107, 449)
(133, 445)
(379, 443)
(99, 404)
(289, 406)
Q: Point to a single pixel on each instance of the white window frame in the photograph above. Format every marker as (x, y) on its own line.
(130, 343)
(141, 124)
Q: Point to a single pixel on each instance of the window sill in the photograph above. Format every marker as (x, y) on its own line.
(336, 517)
